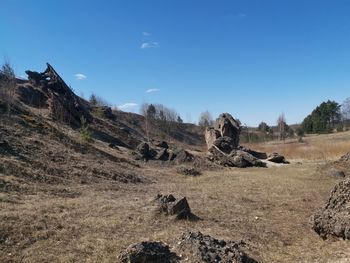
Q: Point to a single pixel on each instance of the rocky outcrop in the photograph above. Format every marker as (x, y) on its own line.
(223, 146)
(47, 89)
(204, 248)
(148, 252)
(334, 218)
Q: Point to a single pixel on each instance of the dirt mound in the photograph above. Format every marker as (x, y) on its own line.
(334, 218)
(148, 252)
(203, 248)
(178, 207)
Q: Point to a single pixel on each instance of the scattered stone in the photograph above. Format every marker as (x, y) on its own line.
(188, 171)
(276, 158)
(334, 218)
(169, 205)
(162, 144)
(203, 248)
(162, 155)
(335, 173)
(183, 156)
(236, 158)
(148, 252)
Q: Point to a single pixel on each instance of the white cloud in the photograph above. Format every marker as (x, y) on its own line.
(149, 45)
(80, 76)
(146, 34)
(127, 106)
(152, 90)
(241, 15)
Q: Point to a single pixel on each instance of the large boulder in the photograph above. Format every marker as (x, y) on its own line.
(228, 126)
(148, 252)
(204, 248)
(334, 218)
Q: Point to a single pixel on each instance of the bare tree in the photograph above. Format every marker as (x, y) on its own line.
(205, 119)
(345, 109)
(282, 126)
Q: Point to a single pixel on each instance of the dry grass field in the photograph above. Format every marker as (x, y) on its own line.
(267, 208)
(314, 147)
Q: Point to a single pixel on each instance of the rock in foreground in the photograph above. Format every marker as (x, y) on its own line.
(148, 252)
(179, 207)
(334, 218)
(203, 248)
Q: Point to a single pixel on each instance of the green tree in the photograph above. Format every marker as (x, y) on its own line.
(263, 127)
(323, 119)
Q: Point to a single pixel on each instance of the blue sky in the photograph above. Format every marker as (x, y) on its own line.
(252, 58)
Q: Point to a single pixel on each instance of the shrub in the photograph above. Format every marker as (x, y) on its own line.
(84, 132)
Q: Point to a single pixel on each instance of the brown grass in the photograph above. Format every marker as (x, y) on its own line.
(269, 209)
(314, 147)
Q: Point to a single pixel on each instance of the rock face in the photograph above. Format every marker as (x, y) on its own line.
(148, 252)
(169, 205)
(224, 149)
(204, 248)
(334, 218)
(49, 90)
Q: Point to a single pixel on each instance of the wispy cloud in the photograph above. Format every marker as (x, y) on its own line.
(80, 76)
(127, 106)
(146, 34)
(235, 16)
(241, 15)
(149, 45)
(152, 90)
